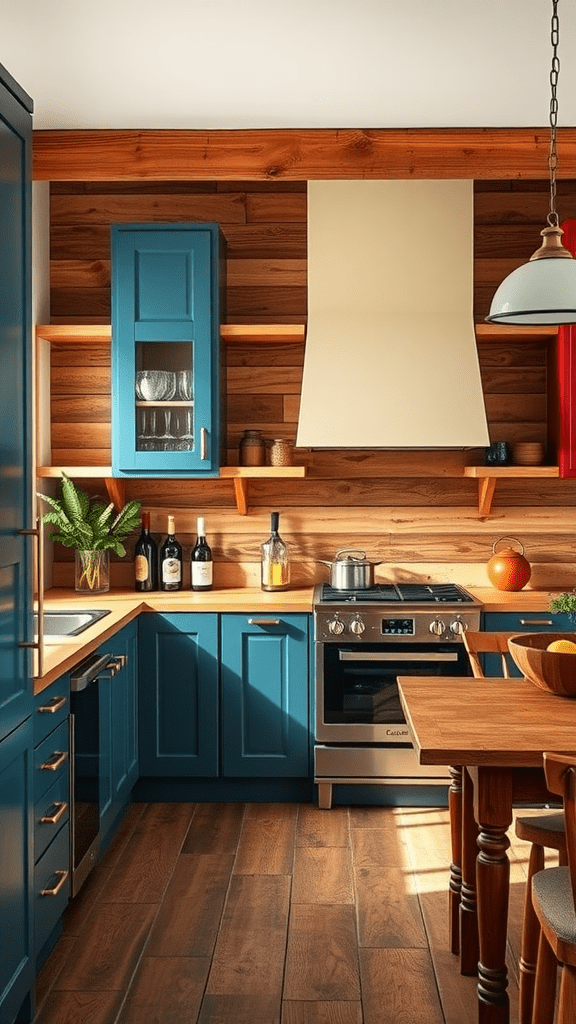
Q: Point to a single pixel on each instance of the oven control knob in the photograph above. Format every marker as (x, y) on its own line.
(437, 627)
(458, 627)
(336, 627)
(357, 626)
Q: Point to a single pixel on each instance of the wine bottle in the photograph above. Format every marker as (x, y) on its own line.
(275, 563)
(201, 560)
(146, 558)
(171, 560)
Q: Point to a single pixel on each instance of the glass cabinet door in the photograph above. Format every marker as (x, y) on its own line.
(165, 349)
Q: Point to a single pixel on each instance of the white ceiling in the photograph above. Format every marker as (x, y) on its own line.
(288, 63)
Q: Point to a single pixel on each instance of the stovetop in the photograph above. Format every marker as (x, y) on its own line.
(387, 593)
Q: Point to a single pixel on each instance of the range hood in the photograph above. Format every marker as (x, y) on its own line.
(391, 359)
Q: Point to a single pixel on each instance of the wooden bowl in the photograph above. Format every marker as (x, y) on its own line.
(554, 671)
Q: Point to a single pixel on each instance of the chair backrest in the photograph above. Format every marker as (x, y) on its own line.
(560, 771)
(487, 643)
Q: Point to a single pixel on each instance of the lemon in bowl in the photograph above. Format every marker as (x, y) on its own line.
(564, 646)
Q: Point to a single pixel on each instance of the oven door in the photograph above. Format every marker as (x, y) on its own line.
(357, 699)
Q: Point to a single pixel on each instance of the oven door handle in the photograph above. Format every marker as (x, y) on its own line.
(400, 658)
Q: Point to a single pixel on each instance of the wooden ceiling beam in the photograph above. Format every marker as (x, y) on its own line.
(299, 154)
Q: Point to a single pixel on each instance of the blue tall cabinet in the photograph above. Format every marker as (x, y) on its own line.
(168, 283)
(16, 698)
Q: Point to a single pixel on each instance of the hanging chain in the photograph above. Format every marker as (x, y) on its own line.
(553, 154)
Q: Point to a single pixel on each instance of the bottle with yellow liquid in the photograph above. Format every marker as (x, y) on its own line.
(275, 562)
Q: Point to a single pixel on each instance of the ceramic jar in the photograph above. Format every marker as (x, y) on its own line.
(281, 453)
(252, 451)
(508, 569)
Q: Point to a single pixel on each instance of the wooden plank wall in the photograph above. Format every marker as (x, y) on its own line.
(413, 510)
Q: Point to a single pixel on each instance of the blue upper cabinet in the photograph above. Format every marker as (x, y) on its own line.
(167, 373)
(15, 388)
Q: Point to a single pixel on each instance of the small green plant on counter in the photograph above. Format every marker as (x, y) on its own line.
(89, 525)
(565, 603)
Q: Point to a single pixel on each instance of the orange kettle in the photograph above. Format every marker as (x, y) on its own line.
(508, 569)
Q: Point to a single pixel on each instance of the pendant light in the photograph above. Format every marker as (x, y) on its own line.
(542, 291)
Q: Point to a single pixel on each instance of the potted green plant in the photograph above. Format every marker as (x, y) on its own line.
(93, 529)
(565, 603)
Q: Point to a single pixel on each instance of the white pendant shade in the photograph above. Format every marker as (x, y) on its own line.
(540, 292)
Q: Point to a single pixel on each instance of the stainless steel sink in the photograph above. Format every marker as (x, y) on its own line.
(69, 623)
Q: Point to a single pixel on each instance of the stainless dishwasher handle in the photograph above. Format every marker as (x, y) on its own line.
(203, 443)
(38, 645)
(400, 658)
(263, 622)
(536, 622)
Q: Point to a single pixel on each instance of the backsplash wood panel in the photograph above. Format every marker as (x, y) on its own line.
(412, 508)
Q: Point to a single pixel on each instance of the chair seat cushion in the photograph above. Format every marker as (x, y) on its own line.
(552, 898)
(538, 826)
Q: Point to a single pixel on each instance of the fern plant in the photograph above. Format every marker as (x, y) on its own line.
(565, 603)
(89, 525)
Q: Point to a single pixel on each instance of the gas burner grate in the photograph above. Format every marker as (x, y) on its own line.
(386, 593)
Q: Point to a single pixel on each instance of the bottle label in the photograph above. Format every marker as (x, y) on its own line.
(171, 570)
(201, 574)
(275, 574)
(141, 568)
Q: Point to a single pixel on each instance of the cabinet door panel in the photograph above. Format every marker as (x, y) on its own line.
(16, 870)
(264, 679)
(178, 694)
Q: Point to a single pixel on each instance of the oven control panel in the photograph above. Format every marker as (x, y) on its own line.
(397, 627)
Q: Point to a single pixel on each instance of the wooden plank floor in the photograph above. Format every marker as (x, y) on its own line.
(268, 914)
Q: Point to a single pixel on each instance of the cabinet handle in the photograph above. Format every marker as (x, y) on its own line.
(203, 443)
(38, 645)
(55, 704)
(263, 622)
(53, 766)
(62, 875)
(53, 819)
(536, 622)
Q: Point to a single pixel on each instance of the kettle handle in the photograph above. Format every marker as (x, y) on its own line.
(515, 539)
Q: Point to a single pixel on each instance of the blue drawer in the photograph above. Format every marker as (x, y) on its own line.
(51, 887)
(51, 812)
(51, 760)
(51, 708)
(520, 622)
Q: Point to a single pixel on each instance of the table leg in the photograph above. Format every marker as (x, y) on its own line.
(493, 812)
(469, 947)
(455, 885)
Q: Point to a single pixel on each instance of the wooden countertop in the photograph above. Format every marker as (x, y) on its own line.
(461, 720)
(126, 605)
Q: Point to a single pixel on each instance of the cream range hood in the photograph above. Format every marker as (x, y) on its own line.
(391, 359)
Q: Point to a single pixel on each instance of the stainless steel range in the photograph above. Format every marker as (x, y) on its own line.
(364, 640)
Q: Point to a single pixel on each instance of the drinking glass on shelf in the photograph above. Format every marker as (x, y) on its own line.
(184, 385)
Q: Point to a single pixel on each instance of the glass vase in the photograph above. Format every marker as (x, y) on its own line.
(92, 572)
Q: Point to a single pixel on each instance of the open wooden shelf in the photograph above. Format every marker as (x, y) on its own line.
(231, 334)
(488, 475)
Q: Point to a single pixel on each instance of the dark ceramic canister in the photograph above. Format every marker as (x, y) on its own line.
(498, 453)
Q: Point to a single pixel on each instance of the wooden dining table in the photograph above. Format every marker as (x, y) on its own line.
(493, 731)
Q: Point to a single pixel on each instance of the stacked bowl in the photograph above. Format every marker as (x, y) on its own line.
(528, 453)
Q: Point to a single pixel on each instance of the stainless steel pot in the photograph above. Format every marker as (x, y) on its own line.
(354, 572)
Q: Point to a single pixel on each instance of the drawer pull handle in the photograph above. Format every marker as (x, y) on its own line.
(62, 876)
(53, 706)
(203, 443)
(263, 622)
(52, 765)
(536, 622)
(53, 819)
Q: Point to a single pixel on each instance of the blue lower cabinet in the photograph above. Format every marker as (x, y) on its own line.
(17, 960)
(118, 715)
(178, 694)
(264, 695)
(521, 622)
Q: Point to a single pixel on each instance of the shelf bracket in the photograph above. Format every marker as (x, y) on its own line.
(116, 492)
(486, 487)
(241, 494)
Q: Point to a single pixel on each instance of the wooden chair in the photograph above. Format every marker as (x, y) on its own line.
(542, 831)
(554, 901)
